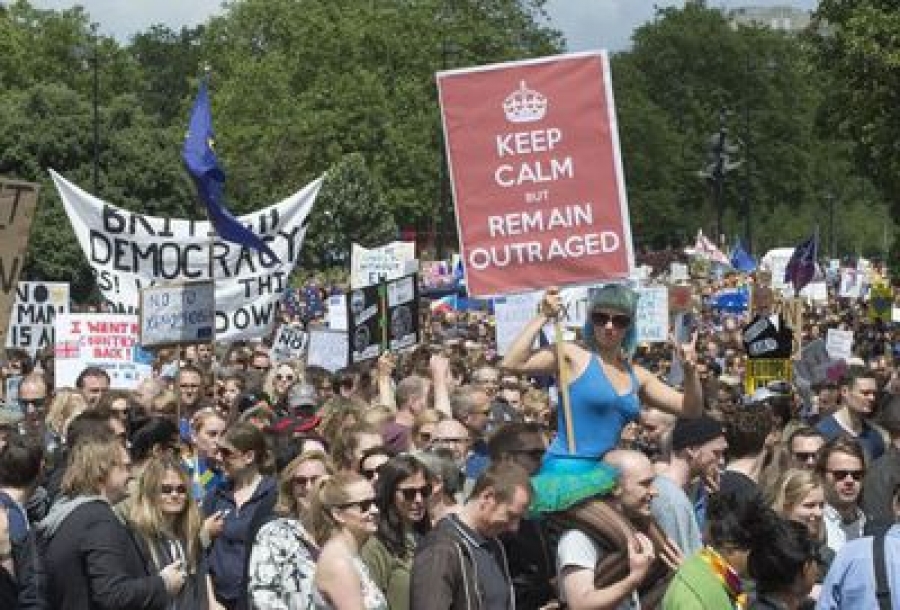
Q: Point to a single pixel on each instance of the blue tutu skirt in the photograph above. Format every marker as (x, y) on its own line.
(564, 481)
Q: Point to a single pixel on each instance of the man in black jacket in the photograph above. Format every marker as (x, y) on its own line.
(461, 564)
(91, 559)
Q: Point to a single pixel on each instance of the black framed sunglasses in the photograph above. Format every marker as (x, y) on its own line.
(168, 490)
(840, 475)
(619, 320)
(410, 493)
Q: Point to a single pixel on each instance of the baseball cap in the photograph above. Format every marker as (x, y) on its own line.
(302, 397)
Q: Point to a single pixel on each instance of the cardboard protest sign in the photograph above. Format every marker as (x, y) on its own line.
(839, 344)
(327, 349)
(364, 323)
(109, 341)
(383, 317)
(536, 172)
(32, 323)
(652, 314)
(290, 343)
(369, 266)
(130, 251)
(402, 313)
(18, 201)
(173, 314)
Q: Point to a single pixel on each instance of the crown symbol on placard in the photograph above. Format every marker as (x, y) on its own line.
(524, 105)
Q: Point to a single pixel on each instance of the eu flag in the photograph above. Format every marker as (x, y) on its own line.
(209, 177)
(741, 260)
(801, 268)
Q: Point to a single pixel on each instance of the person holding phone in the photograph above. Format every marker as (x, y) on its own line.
(167, 520)
(238, 509)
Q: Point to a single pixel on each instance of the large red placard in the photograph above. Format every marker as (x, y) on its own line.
(537, 177)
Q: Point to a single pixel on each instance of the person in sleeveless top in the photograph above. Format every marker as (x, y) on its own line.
(343, 516)
(605, 390)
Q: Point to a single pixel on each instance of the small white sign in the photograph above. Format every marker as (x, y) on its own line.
(337, 312)
(387, 262)
(511, 314)
(109, 341)
(328, 349)
(678, 272)
(290, 343)
(652, 315)
(839, 344)
(177, 313)
(852, 284)
(31, 323)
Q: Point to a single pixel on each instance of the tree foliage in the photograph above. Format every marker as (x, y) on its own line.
(348, 88)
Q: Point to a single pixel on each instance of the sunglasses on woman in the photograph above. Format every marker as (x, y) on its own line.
(364, 505)
(410, 493)
(619, 320)
(168, 490)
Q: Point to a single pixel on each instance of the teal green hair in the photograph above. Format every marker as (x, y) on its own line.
(615, 297)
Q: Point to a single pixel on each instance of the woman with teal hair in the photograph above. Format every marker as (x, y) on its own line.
(605, 392)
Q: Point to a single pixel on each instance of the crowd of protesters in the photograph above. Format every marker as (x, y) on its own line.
(447, 477)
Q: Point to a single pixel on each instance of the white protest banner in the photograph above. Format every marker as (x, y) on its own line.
(31, 325)
(108, 341)
(388, 262)
(536, 170)
(17, 203)
(652, 315)
(130, 251)
(337, 312)
(852, 284)
(328, 349)
(290, 343)
(839, 344)
(172, 314)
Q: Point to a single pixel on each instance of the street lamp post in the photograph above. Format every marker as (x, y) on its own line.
(95, 64)
(721, 151)
(829, 197)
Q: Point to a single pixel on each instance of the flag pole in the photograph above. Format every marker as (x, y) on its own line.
(211, 235)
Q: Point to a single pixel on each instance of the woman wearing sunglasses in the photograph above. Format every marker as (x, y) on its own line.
(402, 494)
(236, 510)
(283, 559)
(278, 383)
(605, 392)
(343, 516)
(166, 518)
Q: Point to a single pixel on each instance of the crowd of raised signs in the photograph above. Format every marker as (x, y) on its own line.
(230, 479)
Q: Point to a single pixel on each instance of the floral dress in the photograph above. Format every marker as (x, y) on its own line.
(282, 566)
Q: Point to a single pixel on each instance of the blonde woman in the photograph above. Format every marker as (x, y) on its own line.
(284, 554)
(799, 495)
(167, 520)
(343, 516)
(65, 406)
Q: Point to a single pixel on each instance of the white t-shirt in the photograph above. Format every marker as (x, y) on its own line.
(576, 549)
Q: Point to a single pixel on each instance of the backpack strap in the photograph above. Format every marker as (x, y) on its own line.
(882, 590)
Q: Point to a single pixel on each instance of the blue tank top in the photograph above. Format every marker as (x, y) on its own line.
(599, 413)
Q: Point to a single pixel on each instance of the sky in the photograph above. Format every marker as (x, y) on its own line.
(587, 24)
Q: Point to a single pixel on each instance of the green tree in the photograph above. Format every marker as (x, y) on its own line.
(349, 209)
